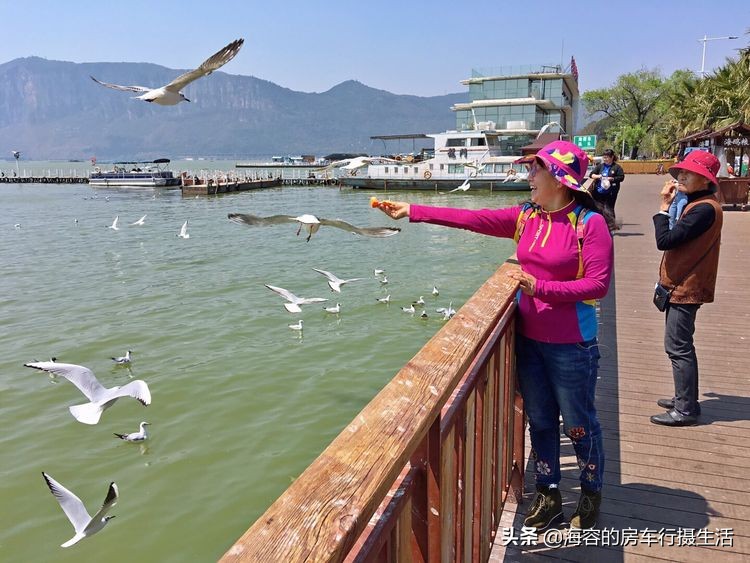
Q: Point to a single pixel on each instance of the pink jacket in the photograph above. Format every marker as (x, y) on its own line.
(563, 308)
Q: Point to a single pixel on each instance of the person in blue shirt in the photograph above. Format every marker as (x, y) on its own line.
(607, 176)
(678, 204)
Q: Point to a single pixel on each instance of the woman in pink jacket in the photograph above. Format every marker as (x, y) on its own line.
(565, 253)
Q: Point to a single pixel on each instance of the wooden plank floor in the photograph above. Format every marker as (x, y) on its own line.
(658, 478)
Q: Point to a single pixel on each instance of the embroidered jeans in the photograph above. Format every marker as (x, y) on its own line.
(560, 379)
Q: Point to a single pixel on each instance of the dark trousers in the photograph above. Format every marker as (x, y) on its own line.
(678, 344)
(607, 199)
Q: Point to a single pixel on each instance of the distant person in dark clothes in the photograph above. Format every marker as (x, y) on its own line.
(689, 268)
(607, 176)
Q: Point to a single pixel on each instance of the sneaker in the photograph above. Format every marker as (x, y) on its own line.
(587, 511)
(546, 508)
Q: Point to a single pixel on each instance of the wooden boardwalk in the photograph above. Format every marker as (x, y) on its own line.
(678, 480)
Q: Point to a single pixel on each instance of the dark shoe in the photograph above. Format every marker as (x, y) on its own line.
(669, 405)
(674, 417)
(587, 511)
(545, 510)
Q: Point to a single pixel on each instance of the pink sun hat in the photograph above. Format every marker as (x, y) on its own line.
(702, 163)
(566, 161)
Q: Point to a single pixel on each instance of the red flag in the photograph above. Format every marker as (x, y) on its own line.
(574, 68)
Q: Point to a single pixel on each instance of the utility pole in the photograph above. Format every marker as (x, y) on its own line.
(705, 40)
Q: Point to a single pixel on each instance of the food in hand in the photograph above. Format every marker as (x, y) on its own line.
(385, 204)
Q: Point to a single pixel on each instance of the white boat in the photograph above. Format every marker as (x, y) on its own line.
(137, 174)
(512, 112)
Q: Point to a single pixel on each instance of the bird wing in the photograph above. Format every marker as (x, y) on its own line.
(285, 293)
(109, 501)
(365, 231)
(254, 220)
(217, 60)
(71, 504)
(308, 300)
(137, 389)
(80, 376)
(139, 89)
(183, 229)
(335, 164)
(329, 275)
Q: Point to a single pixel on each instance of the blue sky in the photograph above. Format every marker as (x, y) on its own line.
(415, 47)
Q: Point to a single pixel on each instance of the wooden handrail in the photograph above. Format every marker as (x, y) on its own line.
(394, 441)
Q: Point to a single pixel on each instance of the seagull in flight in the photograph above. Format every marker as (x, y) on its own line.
(312, 223)
(294, 302)
(83, 524)
(114, 226)
(448, 311)
(140, 221)
(99, 396)
(139, 436)
(170, 94)
(183, 231)
(462, 188)
(352, 164)
(335, 282)
(122, 360)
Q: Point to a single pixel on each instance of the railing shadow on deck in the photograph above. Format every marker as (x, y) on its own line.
(423, 471)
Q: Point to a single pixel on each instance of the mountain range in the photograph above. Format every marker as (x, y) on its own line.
(53, 110)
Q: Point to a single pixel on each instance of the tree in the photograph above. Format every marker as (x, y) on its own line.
(630, 104)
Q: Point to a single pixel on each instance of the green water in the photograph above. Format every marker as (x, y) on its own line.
(241, 403)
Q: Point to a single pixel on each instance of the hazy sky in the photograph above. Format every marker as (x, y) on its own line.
(406, 47)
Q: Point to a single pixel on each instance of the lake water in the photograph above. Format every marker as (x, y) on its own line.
(241, 403)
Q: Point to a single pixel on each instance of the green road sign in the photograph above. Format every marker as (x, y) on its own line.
(586, 142)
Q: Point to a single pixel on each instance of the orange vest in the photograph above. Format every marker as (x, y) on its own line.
(692, 266)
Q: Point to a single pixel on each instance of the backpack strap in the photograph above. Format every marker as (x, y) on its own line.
(526, 212)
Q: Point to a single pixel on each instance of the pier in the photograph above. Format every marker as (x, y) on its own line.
(431, 469)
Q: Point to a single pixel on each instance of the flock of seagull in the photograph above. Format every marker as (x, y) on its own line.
(100, 398)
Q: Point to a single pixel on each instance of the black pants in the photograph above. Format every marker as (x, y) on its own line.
(678, 344)
(607, 199)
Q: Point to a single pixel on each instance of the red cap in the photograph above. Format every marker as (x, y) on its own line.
(702, 163)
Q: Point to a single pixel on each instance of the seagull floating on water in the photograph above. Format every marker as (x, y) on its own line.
(83, 523)
(114, 226)
(140, 221)
(139, 436)
(183, 231)
(386, 299)
(312, 223)
(335, 310)
(297, 325)
(448, 311)
(435, 290)
(409, 309)
(17, 225)
(294, 302)
(378, 272)
(170, 94)
(384, 280)
(123, 359)
(423, 315)
(101, 398)
(334, 282)
(419, 301)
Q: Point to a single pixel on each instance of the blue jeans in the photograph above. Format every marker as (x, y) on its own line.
(560, 379)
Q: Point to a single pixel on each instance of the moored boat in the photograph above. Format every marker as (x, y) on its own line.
(136, 174)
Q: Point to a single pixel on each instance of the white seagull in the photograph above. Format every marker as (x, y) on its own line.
(183, 231)
(334, 282)
(419, 301)
(297, 326)
(448, 311)
(334, 310)
(101, 398)
(384, 280)
(83, 523)
(312, 224)
(139, 436)
(352, 164)
(140, 221)
(462, 188)
(386, 299)
(294, 302)
(409, 309)
(378, 272)
(435, 290)
(123, 359)
(170, 94)
(114, 226)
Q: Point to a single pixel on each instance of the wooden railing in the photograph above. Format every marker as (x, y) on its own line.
(422, 473)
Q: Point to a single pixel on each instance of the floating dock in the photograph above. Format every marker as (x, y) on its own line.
(213, 188)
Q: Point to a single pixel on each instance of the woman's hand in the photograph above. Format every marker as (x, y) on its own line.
(667, 194)
(395, 209)
(595, 176)
(526, 282)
